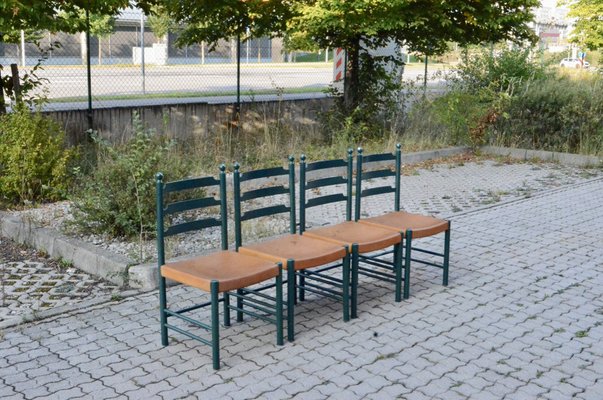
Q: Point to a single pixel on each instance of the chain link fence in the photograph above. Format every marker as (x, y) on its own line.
(120, 71)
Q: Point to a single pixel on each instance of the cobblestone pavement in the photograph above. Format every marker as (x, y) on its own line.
(522, 318)
(30, 282)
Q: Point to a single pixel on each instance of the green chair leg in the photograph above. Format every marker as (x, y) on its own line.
(162, 314)
(290, 300)
(345, 287)
(446, 255)
(355, 262)
(226, 309)
(215, 324)
(302, 283)
(239, 305)
(279, 307)
(407, 250)
(398, 271)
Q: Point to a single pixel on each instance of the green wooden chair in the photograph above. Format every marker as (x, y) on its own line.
(414, 226)
(357, 238)
(218, 273)
(296, 252)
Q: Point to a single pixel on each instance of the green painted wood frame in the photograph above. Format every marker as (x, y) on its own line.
(361, 175)
(240, 216)
(321, 276)
(241, 196)
(271, 313)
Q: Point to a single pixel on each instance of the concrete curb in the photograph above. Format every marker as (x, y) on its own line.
(82, 255)
(562, 158)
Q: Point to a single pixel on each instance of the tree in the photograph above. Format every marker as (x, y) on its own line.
(422, 25)
(588, 28)
(55, 15)
(160, 22)
(101, 26)
(210, 20)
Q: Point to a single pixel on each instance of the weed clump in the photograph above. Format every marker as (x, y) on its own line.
(118, 197)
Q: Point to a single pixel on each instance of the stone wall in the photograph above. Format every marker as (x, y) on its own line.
(190, 119)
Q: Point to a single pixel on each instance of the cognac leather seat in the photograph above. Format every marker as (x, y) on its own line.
(232, 270)
(306, 252)
(400, 221)
(369, 238)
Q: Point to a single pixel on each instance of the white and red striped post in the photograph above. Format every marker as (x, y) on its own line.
(339, 69)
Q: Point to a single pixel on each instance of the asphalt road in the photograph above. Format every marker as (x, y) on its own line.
(115, 81)
(71, 81)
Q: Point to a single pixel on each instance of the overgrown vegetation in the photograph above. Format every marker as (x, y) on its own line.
(558, 113)
(34, 161)
(508, 98)
(118, 197)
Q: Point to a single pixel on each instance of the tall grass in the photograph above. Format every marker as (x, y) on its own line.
(560, 113)
(263, 141)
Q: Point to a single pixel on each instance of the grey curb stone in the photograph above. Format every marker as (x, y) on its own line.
(82, 255)
(563, 158)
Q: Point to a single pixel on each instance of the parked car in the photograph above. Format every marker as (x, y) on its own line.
(573, 63)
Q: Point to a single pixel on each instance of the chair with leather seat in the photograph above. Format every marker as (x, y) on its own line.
(414, 226)
(187, 207)
(319, 176)
(296, 252)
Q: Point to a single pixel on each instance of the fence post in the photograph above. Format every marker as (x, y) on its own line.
(14, 68)
(89, 72)
(2, 103)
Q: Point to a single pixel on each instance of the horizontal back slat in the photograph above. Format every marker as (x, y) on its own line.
(377, 190)
(192, 204)
(378, 157)
(191, 226)
(193, 183)
(380, 173)
(264, 192)
(264, 212)
(326, 164)
(264, 173)
(334, 180)
(331, 198)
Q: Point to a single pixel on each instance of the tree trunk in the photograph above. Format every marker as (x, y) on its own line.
(350, 87)
(100, 51)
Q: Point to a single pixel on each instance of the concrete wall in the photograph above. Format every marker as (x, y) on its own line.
(188, 120)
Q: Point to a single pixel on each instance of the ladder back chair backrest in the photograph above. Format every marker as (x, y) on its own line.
(382, 170)
(190, 196)
(271, 188)
(321, 181)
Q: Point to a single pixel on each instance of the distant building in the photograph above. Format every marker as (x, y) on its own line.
(552, 26)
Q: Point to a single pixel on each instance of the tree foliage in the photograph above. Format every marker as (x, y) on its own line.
(588, 28)
(53, 15)
(210, 20)
(160, 22)
(422, 25)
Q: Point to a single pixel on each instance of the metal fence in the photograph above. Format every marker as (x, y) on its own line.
(120, 71)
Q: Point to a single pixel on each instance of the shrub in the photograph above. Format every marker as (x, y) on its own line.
(499, 71)
(558, 113)
(34, 159)
(118, 198)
